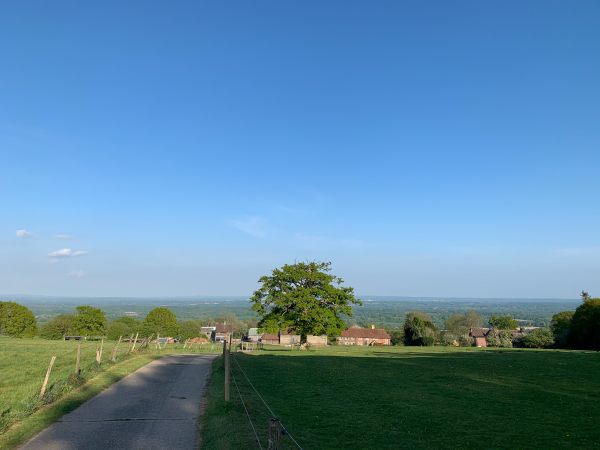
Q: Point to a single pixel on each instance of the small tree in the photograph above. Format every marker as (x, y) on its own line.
(503, 322)
(160, 321)
(560, 325)
(58, 327)
(419, 329)
(305, 297)
(17, 320)
(458, 327)
(189, 329)
(538, 338)
(89, 321)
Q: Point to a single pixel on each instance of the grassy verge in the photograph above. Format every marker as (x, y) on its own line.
(411, 398)
(23, 364)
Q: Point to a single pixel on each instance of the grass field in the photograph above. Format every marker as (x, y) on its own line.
(23, 365)
(405, 397)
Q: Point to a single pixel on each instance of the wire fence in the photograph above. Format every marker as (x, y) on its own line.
(268, 408)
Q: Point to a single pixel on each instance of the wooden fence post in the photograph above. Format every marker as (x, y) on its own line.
(274, 435)
(99, 352)
(43, 390)
(134, 342)
(113, 356)
(77, 360)
(227, 370)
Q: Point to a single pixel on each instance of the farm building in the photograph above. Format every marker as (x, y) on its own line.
(272, 339)
(208, 330)
(289, 339)
(479, 336)
(222, 332)
(364, 336)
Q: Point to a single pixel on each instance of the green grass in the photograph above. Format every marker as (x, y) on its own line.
(23, 365)
(407, 397)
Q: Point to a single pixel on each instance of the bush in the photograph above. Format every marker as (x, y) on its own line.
(58, 327)
(499, 338)
(17, 320)
(538, 338)
(123, 326)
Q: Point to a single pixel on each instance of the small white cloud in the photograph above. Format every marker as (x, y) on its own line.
(76, 274)
(66, 253)
(63, 237)
(23, 234)
(253, 226)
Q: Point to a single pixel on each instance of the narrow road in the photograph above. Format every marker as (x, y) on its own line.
(156, 407)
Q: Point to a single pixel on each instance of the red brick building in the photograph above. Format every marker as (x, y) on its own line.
(364, 336)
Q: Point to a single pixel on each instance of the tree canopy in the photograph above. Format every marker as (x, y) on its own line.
(460, 324)
(503, 322)
(89, 321)
(560, 325)
(160, 321)
(584, 331)
(304, 297)
(419, 329)
(17, 320)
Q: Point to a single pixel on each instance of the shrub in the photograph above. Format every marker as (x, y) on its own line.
(499, 338)
(58, 327)
(538, 338)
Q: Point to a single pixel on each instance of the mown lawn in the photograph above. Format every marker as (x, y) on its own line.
(407, 397)
(23, 365)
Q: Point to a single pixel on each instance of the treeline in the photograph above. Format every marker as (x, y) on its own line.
(19, 321)
(579, 329)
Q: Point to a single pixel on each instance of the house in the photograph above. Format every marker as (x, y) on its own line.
(479, 336)
(254, 335)
(222, 332)
(272, 339)
(364, 336)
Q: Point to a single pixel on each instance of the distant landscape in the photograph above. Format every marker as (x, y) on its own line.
(384, 311)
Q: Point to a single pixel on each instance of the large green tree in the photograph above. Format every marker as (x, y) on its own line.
(304, 297)
(160, 321)
(584, 331)
(89, 321)
(17, 320)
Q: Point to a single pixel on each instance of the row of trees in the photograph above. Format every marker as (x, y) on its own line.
(90, 321)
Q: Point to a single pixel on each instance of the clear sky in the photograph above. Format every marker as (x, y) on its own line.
(181, 148)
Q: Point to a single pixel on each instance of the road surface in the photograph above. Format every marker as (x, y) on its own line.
(156, 407)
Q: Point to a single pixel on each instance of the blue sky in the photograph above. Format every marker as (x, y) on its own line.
(184, 148)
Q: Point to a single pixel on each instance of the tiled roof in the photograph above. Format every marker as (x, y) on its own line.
(368, 333)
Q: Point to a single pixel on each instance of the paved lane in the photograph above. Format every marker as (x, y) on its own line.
(156, 407)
